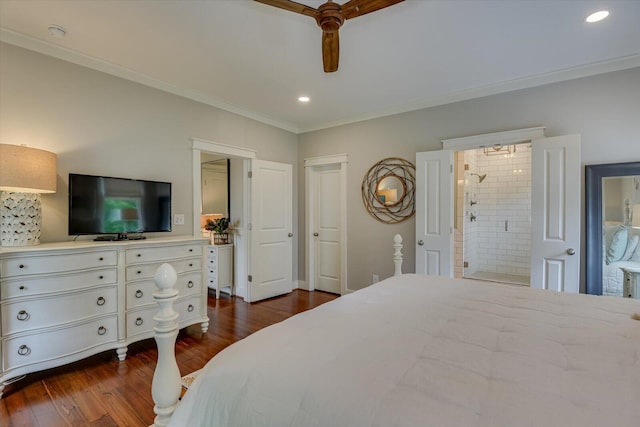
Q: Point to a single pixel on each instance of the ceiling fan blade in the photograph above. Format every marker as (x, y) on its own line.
(355, 8)
(292, 6)
(330, 50)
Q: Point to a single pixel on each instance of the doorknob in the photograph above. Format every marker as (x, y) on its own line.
(315, 234)
(290, 234)
(420, 242)
(571, 251)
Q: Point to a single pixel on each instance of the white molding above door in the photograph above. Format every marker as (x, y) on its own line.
(326, 160)
(489, 139)
(223, 149)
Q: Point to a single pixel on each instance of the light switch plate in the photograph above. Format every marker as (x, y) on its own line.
(178, 219)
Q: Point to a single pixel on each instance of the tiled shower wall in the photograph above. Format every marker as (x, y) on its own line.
(499, 240)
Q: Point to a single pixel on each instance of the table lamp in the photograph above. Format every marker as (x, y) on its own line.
(25, 173)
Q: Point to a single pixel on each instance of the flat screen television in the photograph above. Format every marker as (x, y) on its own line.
(107, 205)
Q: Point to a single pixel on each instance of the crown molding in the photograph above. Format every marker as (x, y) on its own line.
(59, 52)
(56, 51)
(617, 64)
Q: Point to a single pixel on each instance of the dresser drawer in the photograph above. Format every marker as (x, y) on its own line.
(141, 321)
(57, 283)
(147, 271)
(141, 293)
(34, 313)
(188, 310)
(56, 263)
(39, 347)
(167, 253)
(212, 263)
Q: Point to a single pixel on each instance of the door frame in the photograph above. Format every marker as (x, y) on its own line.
(241, 241)
(311, 166)
(479, 141)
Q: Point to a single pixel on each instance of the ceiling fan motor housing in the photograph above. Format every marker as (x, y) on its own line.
(330, 16)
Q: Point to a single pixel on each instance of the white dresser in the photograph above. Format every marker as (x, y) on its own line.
(62, 302)
(631, 284)
(220, 268)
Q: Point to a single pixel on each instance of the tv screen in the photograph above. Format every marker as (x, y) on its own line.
(105, 205)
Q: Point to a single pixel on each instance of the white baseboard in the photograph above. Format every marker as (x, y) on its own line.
(301, 284)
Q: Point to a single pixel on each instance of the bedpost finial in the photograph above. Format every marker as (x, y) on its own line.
(165, 277)
(397, 254)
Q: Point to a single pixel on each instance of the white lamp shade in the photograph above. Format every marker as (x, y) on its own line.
(27, 170)
(390, 195)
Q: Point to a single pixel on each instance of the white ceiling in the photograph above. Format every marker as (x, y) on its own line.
(256, 60)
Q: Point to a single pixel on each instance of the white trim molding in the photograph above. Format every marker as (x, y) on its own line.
(222, 149)
(241, 241)
(489, 139)
(326, 160)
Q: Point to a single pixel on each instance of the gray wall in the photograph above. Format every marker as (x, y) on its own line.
(104, 125)
(604, 109)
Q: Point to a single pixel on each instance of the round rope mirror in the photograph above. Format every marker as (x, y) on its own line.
(388, 190)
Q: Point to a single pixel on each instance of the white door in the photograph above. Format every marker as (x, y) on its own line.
(555, 213)
(434, 213)
(326, 234)
(271, 230)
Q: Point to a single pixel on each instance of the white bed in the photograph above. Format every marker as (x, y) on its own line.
(431, 351)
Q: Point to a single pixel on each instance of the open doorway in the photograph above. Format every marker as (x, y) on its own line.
(239, 163)
(555, 198)
(492, 232)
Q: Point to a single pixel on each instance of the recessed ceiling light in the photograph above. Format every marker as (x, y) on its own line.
(57, 31)
(303, 99)
(597, 16)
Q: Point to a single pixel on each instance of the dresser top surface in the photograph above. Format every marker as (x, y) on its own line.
(90, 244)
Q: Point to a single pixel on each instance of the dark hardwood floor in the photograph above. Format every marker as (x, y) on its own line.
(101, 391)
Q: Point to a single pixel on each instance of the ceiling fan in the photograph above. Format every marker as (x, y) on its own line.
(329, 17)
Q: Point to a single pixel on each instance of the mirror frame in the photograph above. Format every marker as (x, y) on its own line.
(593, 217)
(228, 165)
(404, 208)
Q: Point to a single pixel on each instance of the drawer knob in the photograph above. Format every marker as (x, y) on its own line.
(22, 287)
(139, 321)
(21, 266)
(23, 315)
(190, 308)
(101, 259)
(139, 272)
(139, 293)
(102, 330)
(190, 284)
(101, 277)
(24, 350)
(190, 250)
(101, 301)
(190, 264)
(139, 255)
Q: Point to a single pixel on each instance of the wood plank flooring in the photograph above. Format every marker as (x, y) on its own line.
(100, 391)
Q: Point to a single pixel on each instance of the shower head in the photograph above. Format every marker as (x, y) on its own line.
(480, 177)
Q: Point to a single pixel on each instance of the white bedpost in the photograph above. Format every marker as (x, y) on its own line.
(397, 254)
(167, 383)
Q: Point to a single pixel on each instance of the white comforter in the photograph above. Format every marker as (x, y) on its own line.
(431, 351)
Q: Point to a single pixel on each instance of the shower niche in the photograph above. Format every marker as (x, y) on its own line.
(492, 222)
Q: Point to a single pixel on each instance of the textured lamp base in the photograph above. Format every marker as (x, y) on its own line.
(20, 218)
